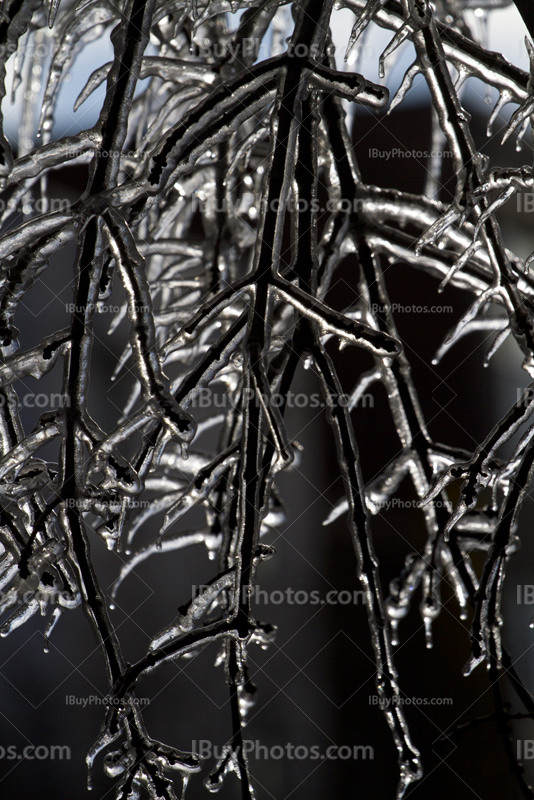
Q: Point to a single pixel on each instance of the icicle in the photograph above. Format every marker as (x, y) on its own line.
(498, 341)
(27, 447)
(460, 590)
(341, 508)
(405, 86)
(402, 34)
(128, 407)
(472, 664)
(121, 363)
(361, 23)
(54, 6)
(428, 632)
(437, 228)
(165, 545)
(438, 144)
(463, 74)
(459, 264)
(118, 318)
(18, 65)
(504, 98)
(469, 315)
(50, 627)
(226, 764)
(394, 625)
(93, 82)
(364, 382)
(78, 29)
(492, 324)
(493, 207)
(198, 608)
(22, 615)
(521, 132)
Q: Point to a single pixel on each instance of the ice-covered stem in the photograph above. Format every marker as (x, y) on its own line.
(453, 119)
(461, 51)
(143, 331)
(208, 124)
(455, 124)
(15, 18)
(349, 465)
(485, 631)
(479, 471)
(497, 666)
(396, 376)
(253, 473)
(130, 39)
(413, 436)
(221, 113)
(254, 468)
(304, 263)
(243, 554)
(143, 211)
(73, 486)
(437, 143)
(384, 208)
(348, 459)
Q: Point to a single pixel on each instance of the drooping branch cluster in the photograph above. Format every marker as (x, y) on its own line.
(197, 164)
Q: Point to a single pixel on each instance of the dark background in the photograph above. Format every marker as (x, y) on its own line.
(316, 683)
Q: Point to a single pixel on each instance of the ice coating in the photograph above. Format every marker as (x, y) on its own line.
(227, 314)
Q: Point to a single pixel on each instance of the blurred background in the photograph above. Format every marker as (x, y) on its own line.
(316, 682)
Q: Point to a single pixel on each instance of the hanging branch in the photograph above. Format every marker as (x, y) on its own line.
(202, 214)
